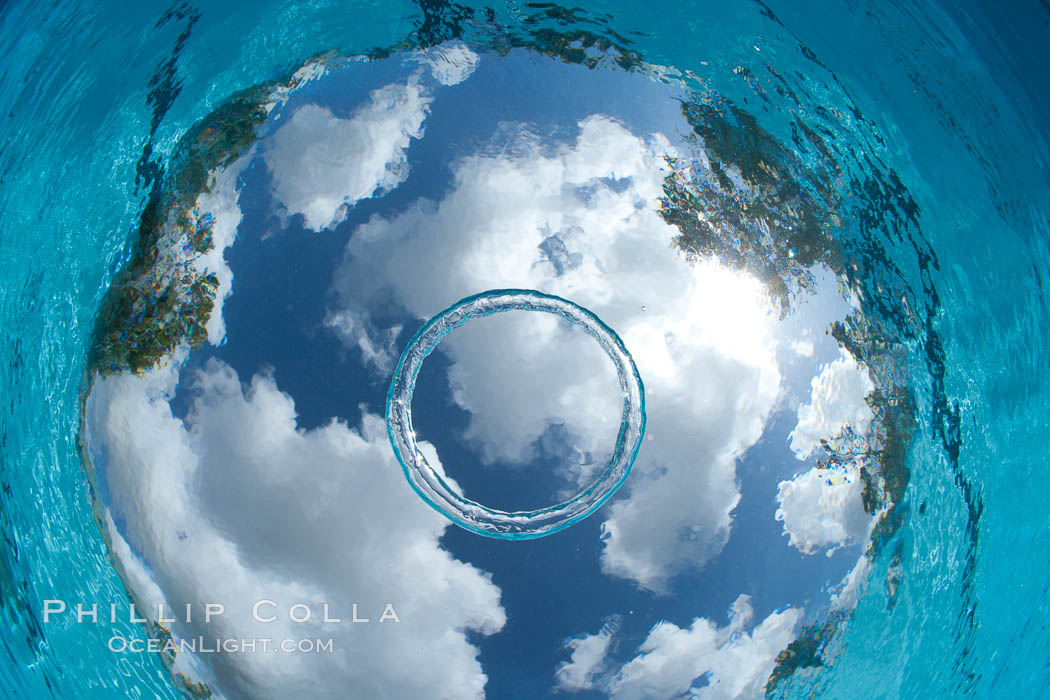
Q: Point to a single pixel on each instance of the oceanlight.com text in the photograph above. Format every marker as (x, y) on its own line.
(119, 644)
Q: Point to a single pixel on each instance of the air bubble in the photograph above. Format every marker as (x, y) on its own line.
(431, 485)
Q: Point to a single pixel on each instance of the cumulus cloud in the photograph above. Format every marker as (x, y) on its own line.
(450, 63)
(581, 220)
(235, 504)
(702, 661)
(220, 203)
(588, 661)
(322, 165)
(574, 370)
(823, 509)
(803, 347)
(837, 400)
(849, 590)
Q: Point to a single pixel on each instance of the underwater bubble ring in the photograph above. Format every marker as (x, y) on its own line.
(431, 483)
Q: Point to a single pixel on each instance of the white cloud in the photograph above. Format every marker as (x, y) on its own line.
(824, 509)
(575, 371)
(221, 203)
(450, 63)
(803, 347)
(702, 661)
(849, 590)
(588, 662)
(837, 400)
(322, 164)
(581, 221)
(236, 504)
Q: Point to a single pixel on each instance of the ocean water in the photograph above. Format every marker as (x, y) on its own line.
(935, 113)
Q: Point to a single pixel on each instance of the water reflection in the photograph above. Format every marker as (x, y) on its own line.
(235, 424)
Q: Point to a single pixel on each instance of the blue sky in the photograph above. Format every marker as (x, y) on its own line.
(389, 257)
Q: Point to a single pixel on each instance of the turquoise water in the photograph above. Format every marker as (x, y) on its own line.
(936, 114)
